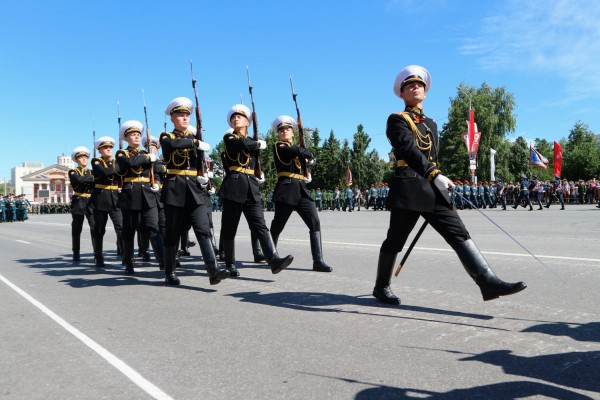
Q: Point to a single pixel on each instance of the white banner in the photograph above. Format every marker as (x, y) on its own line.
(492, 164)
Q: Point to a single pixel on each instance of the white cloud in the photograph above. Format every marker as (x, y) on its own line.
(561, 38)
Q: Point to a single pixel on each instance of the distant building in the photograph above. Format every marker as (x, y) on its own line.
(44, 185)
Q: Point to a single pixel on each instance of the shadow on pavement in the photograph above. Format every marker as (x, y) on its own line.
(589, 332)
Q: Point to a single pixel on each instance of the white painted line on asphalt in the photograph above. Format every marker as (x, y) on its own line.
(496, 253)
(22, 241)
(113, 360)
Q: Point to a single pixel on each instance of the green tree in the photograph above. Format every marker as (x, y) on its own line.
(495, 119)
(324, 170)
(359, 163)
(581, 155)
(519, 158)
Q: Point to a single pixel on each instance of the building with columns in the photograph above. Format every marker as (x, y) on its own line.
(44, 185)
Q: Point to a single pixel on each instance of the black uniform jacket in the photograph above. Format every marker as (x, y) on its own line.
(105, 195)
(82, 182)
(416, 163)
(135, 167)
(180, 160)
(290, 162)
(239, 184)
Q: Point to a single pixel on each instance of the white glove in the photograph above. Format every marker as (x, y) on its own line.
(262, 144)
(155, 188)
(308, 179)
(119, 190)
(203, 146)
(212, 191)
(203, 179)
(261, 180)
(310, 162)
(210, 174)
(152, 157)
(443, 183)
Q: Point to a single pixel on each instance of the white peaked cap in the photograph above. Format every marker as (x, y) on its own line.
(104, 141)
(412, 73)
(180, 104)
(130, 126)
(79, 151)
(153, 140)
(239, 109)
(283, 121)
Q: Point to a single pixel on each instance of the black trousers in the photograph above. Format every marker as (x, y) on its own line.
(100, 220)
(307, 211)
(232, 211)
(179, 219)
(132, 219)
(77, 227)
(444, 220)
(523, 195)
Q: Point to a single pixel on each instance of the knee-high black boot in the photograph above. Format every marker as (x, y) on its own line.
(229, 249)
(170, 254)
(76, 241)
(382, 291)
(157, 245)
(316, 248)
(491, 286)
(276, 263)
(98, 257)
(256, 251)
(215, 274)
(128, 256)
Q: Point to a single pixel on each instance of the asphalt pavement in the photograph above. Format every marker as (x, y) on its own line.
(70, 331)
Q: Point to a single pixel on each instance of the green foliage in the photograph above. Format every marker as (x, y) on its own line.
(581, 154)
(518, 161)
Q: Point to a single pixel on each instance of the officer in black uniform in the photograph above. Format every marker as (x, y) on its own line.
(523, 193)
(534, 191)
(557, 189)
(419, 189)
(82, 181)
(291, 193)
(239, 192)
(184, 192)
(105, 197)
(137, 199)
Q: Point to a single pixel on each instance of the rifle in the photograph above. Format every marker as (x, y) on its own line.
(257, 169)
(94, 136)
(148, 142)
(199, 154)
(119, 121)
(301, 141)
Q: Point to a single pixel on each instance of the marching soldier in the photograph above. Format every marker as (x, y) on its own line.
(239, 192)
(319, 199)
(348, 195)
(82, 181)
(534, 191)
(184, 192)
(336, 199)
(500, 194)
(290, 192)
(105, 197)
(11, 210)
(137, 200)
(523, 194)
(2, 208)
(419, 189)
(557, 188)
(372, 199)
(357, 197)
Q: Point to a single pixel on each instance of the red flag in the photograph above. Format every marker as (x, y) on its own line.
(557, 159)
(348, 176)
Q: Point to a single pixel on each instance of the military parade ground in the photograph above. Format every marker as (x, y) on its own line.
(71, 331)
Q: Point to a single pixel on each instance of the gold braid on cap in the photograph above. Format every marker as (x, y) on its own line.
(180, 108)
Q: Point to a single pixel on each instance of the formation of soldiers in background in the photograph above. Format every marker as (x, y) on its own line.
(14, 208)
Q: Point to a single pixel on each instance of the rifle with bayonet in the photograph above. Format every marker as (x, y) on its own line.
(257, 169)
(94, 136)
(148, 141)
(301, 140)
(200, 162)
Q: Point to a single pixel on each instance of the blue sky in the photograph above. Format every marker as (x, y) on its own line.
(65, 64)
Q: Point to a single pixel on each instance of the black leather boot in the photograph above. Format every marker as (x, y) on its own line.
(76, 241)
(316, 248)
(221, 251)
(128, 257)
(215, 274)
(256, 251)
(229, 249)
(477, 267)
(184, 239)
(382, 291)
(98, 257)
(158, 246)
(276, 263)
(170, 254)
